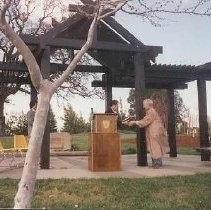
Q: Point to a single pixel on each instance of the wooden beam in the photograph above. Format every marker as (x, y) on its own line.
(108, 89)
(55, 67)
(106, 34)
(98, 45)
(205, 74)
(203, 124)
(149, 85)
(15, 80)
(123, 32)
(13, 66)
(33, 93)
(153, 51)
(139, 97)
(175, 72)
(77, 44)
(171, 124)
(107, 61)
(87, 1)
(2, 126)
(85, 9)
(30, 39)
(62, 26)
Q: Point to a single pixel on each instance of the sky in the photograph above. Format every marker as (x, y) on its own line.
(185, 40)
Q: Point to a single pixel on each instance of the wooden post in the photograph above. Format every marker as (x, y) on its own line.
(2, 118)
(172, 124)
(108, 89)
(33, 93)
(45, 149)
(203, 125)
(139, 97)
(2, 126)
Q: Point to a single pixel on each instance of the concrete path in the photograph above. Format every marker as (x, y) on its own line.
(77, 167)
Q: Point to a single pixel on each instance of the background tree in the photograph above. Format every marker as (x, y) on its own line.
(209, 127)
(181, 111)
(73, 123)
(5, 91)
(17, 124)
(52, 121)
(160, 100)
(77, 83)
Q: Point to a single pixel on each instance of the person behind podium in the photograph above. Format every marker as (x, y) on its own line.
(30, 116)
(114, 108)
(156, 135)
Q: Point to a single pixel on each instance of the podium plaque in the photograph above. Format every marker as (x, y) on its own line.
(104, 123)
(104, 144)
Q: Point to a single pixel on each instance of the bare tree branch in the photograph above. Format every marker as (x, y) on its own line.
(157, 10)
(80, 54)
(29, 59)
(116, 8)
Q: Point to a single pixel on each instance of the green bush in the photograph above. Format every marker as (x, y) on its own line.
(129, 150)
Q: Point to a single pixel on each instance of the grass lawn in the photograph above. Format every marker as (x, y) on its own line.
(80, 143)
(187, 151)
(179, 192)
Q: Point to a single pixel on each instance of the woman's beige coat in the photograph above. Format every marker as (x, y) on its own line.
(156, 135)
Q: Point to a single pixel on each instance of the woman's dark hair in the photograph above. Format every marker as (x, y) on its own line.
(32, 103)
(114, 102)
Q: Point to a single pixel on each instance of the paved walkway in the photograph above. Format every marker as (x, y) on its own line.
(77, 167)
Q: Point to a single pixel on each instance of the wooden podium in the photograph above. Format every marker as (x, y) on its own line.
(104, 144)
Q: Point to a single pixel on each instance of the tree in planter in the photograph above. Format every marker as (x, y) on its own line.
(45, 90)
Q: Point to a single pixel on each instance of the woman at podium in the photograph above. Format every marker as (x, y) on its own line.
(156, 135)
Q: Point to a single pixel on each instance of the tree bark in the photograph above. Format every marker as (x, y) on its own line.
(24, 195)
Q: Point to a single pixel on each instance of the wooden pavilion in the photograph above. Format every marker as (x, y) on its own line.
(124, 62)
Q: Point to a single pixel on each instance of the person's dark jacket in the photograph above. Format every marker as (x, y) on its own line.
(109, 110)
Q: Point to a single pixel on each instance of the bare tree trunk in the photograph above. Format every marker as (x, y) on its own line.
(24, 195)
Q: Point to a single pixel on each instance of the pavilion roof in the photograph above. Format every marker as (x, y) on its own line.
(114, 48)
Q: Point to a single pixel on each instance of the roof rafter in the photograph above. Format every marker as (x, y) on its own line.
(77, 44)
(131, 84)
